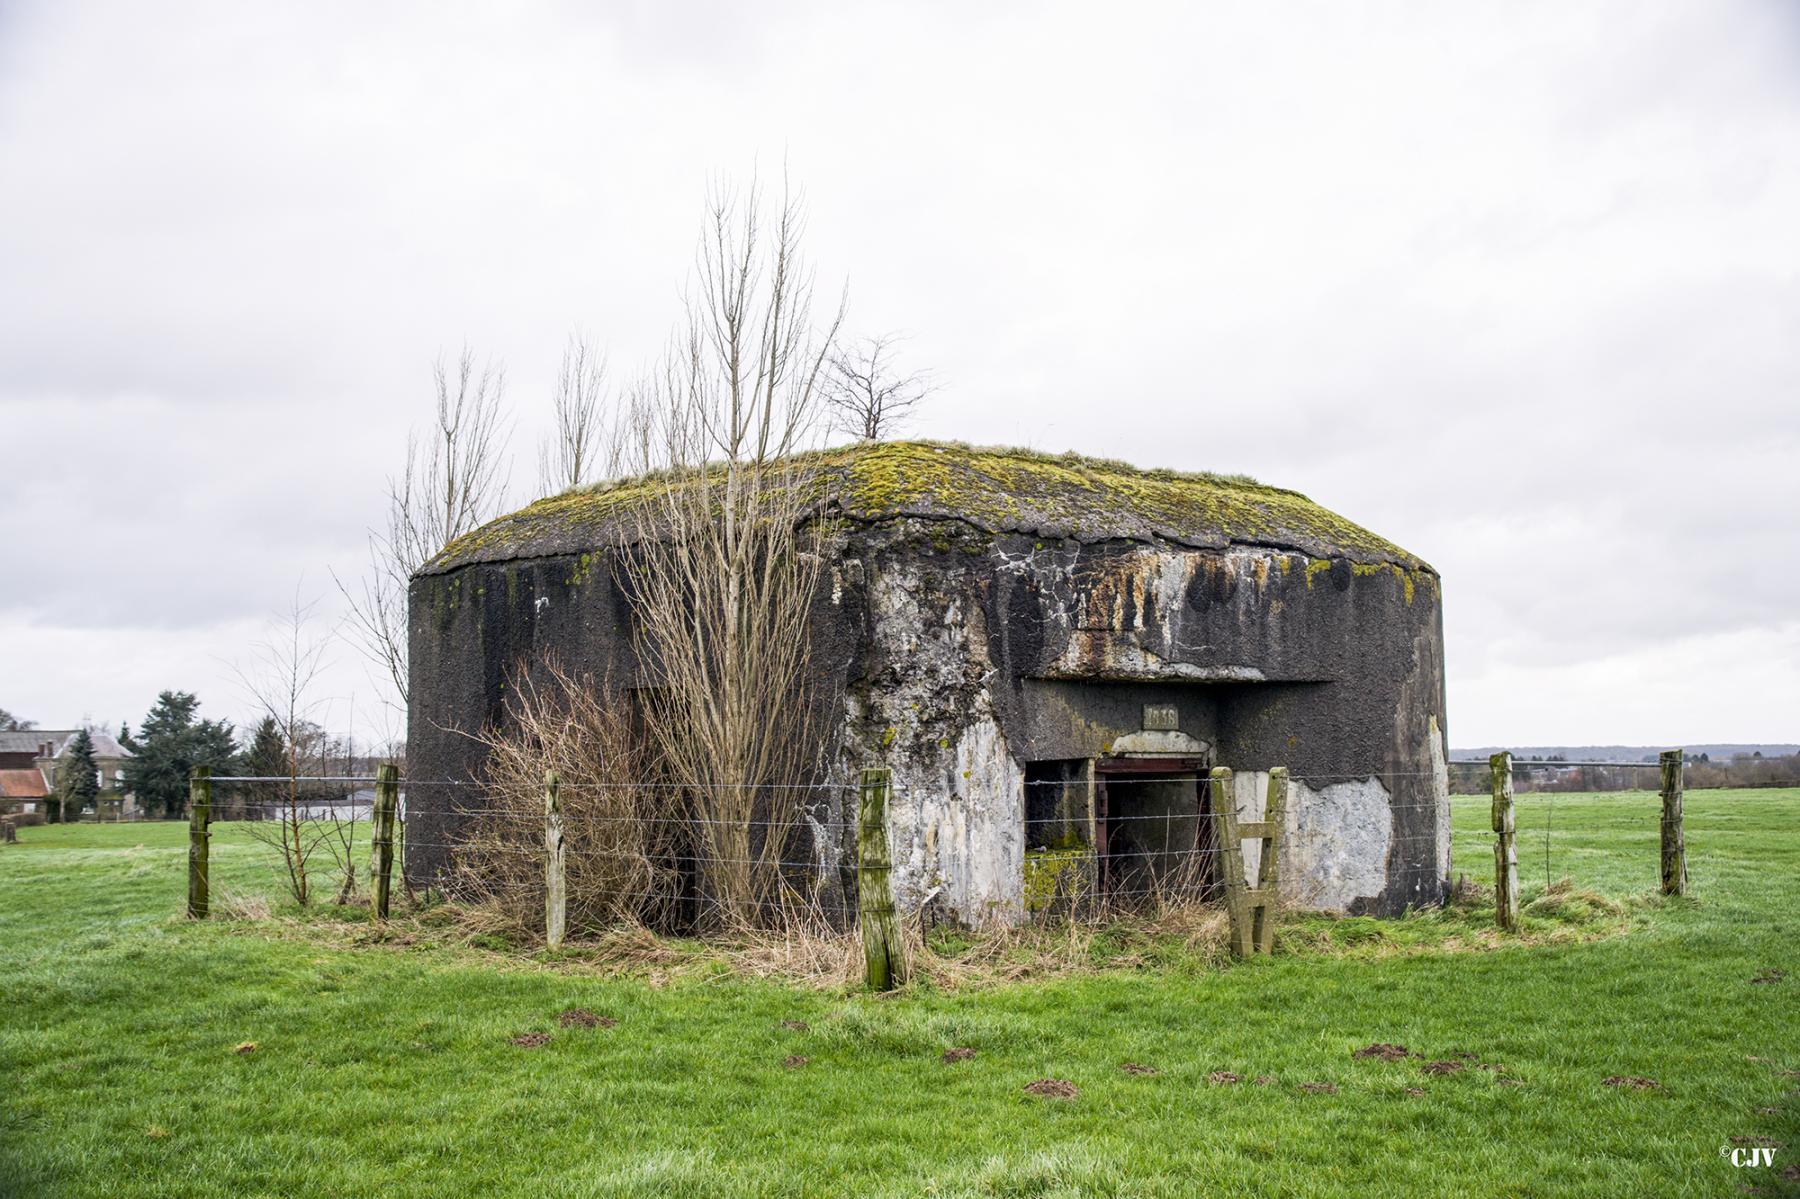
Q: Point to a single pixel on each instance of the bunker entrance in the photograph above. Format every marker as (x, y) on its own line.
(1153, 828)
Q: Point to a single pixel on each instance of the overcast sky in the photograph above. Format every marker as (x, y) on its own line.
(1517, 286)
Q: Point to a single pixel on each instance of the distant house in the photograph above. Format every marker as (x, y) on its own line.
(30, 758)
(22, 790)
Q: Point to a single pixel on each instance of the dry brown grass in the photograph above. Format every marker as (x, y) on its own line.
(228, 906)
(619, 851)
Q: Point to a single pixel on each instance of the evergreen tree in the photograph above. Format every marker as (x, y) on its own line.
(171, 742)
(77, 776)
(267, 757)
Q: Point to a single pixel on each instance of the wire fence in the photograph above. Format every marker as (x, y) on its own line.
(1110, 841)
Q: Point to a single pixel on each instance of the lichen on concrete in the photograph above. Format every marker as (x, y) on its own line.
(993, 489)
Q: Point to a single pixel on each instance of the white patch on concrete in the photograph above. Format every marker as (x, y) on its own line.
(956, 813)
(1149, 743)
(962, 836)
(1440, 794)
(1250, 788)
(1337, 845)
(1336, 848)
(1093, 654)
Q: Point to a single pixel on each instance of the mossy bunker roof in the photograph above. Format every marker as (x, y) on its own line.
(1053, 497)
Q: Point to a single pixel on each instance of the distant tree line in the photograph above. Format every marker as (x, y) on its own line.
(173, 738)
(1556, 774)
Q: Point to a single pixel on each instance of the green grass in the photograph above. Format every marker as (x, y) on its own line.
(386, 1071)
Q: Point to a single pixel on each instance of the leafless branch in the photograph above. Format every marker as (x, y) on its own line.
(577, 451)
(867, 395)
(452, 483)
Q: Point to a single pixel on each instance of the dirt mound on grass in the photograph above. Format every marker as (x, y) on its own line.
(1052, 1088)
(959, 1054)
(531, 1040)
(1384, 1051)
(1631, 1082)
(1138, 1068)
(580, 1017)
(1444, 1067)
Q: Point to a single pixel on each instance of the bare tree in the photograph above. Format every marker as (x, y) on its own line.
(452, 484)
(305, 818)
(578, 450)
(724, 564)
(869, 398)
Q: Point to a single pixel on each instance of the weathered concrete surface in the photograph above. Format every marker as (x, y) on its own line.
(956, 652)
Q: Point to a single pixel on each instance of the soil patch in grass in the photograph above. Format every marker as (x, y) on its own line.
(1052, 1088)
(1384, 1051)
(580, 1017)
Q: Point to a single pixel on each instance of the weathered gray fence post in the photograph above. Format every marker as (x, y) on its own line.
(556, 895)
(199, 835)
(884, 956)
(9, 829)
(387, 798)
(1506, 858)
(1674, 841)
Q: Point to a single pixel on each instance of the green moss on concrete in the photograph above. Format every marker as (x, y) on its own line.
(1052, 873)
(993, 489)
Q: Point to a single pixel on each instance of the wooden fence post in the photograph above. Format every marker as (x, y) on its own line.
(9, 830)
(387, 798)
(1268, 871)
(1506, 859)
(199, 835)
(1229, 840)
(1674, 841)
(883, 955)
(556, 895)
(1252, 909)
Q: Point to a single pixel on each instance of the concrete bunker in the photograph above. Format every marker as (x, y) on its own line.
(1049, 653)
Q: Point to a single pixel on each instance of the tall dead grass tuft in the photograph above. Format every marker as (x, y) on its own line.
(620, 852)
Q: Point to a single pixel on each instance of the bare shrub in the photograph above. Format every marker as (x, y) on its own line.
(620, 854)
(306, 820)
(724, 561)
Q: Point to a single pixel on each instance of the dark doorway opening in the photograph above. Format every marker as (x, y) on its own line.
(1153, 828)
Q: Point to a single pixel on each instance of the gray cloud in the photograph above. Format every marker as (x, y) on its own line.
(1515, 287)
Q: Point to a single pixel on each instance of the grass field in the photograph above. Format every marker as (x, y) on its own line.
(385, 1071)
